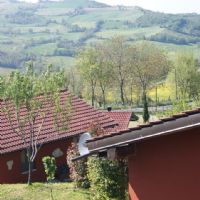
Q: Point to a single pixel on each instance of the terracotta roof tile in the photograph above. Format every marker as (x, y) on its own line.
(155, 123)
(82, 115)
(122, 117)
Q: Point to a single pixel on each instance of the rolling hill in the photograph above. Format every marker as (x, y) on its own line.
(53, 32)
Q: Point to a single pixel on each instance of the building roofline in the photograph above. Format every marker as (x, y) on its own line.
(10, 142)
(166, 126)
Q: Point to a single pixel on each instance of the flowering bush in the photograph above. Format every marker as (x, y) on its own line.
(108, 179)
(78, 169)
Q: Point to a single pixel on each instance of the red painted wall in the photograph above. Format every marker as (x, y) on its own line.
(16, 176)
(166, 168)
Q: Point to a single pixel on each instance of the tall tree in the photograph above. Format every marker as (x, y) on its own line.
(104, 71)
(87, 65)
(74, 81)
(25, 97)
(117, 57)
(185, 76)
(148, 64)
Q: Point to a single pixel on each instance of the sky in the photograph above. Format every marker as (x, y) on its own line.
(168, 6)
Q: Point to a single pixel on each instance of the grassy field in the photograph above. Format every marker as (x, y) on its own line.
(130, 33)
(60, 61)
(40, 191)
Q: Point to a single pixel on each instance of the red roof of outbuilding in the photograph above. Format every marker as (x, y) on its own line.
(82, 116)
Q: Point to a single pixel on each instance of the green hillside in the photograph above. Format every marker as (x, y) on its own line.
(53, 32)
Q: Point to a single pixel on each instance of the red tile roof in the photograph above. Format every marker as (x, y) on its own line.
(82, 116)
(187, 118)
(122, 117)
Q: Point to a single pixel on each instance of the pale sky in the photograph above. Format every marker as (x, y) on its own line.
(169, 6)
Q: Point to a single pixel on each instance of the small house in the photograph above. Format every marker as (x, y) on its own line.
(13, 159)
(163, 157)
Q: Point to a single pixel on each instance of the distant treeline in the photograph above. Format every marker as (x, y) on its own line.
(179, 28)
(172, 37)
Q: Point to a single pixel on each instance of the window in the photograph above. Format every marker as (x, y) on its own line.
(24, 161)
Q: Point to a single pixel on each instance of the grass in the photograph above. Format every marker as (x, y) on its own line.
(53, 11)
(41, 191)
(44, 49)
(61, 61)
(172, 49)
(111, 15)
(134, 32)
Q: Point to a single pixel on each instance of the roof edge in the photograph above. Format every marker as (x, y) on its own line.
(145, 132)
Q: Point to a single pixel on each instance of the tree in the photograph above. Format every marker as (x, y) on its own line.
(146, 115)
(185, 76)
(74, 81)
(117, 51)
(87, 65)
(104, 71)
(25, 97)
(148, 65)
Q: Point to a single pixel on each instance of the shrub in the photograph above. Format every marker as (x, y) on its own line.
(50, 167)
(78, 169)
(108, 179)
(146, 115)
(134, 117)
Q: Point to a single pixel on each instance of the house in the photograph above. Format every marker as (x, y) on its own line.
(163, 157)
(13, 160)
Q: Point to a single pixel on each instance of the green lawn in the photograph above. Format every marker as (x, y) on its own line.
(41, 191)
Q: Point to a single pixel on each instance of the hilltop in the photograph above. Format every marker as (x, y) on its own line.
(53, 32)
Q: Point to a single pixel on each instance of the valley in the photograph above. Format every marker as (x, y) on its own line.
(54, 32)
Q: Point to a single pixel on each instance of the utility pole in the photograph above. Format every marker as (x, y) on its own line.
(176, 85)
(156, 98)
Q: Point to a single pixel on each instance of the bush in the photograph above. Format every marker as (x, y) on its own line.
(146, 115)
(50, 167)
(134, 117)
(78, 169)
(108, 179)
